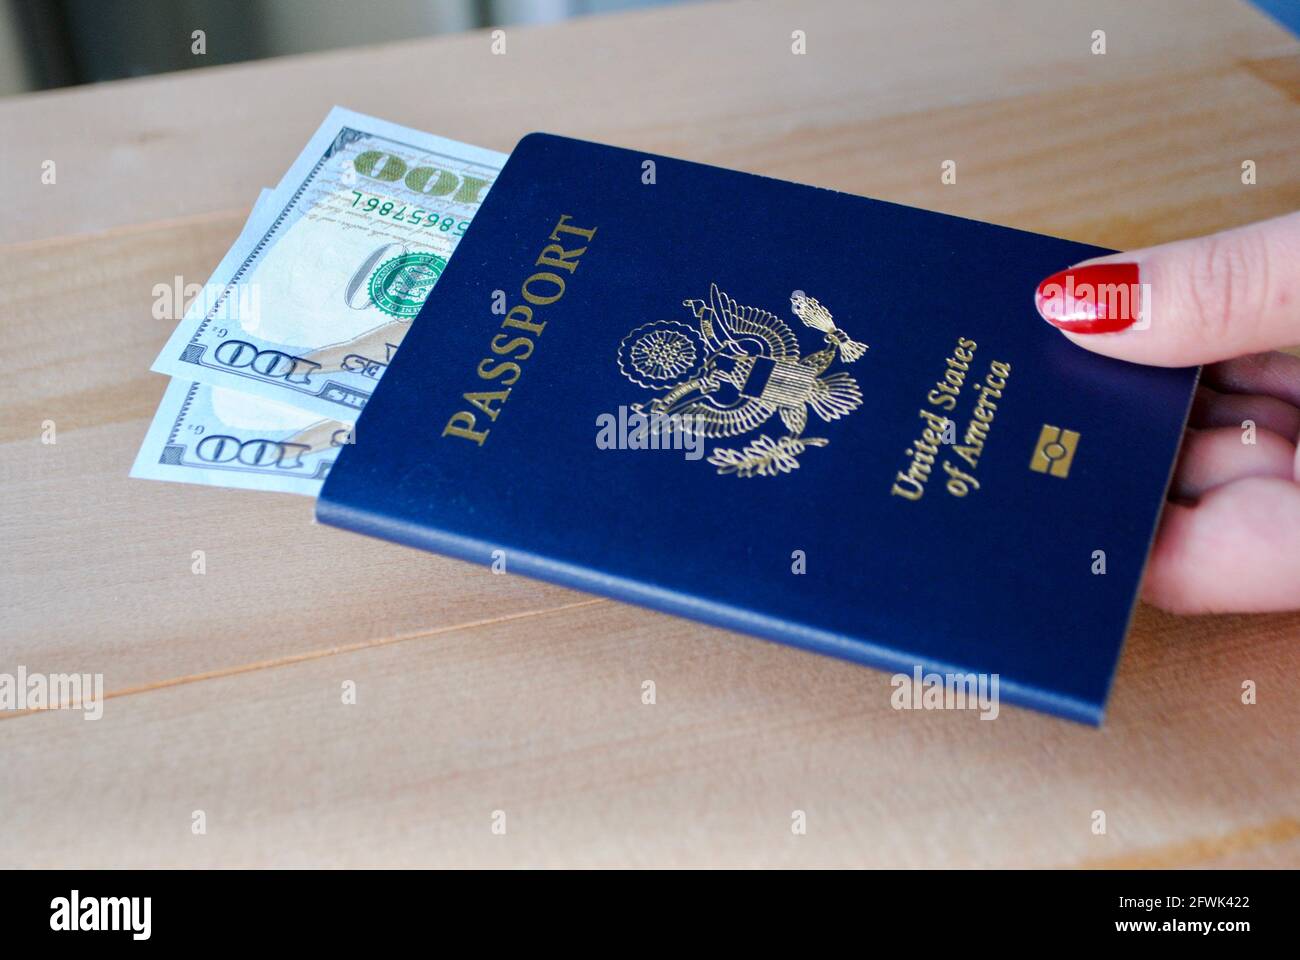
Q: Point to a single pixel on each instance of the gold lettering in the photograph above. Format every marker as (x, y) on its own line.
(944, 401)
(541, 301)
(526, 323)
(562, 228)
(461, 424)
(913, 492)
(499, 370)
(541, 289)
(560, 257)
(484, 401)
(504, 349)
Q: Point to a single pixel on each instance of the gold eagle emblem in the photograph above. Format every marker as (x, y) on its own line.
(726, 374)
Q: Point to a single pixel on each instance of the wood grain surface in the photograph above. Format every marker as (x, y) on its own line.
(479, 693)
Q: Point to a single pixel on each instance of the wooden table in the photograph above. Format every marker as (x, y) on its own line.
(480, 693)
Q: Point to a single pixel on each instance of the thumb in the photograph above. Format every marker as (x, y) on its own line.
(1185, 303)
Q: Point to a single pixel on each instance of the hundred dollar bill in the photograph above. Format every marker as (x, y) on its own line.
(225, 438)
(310, 306)
(204, 434)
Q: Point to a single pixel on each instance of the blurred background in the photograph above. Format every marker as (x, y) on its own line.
(57, 43)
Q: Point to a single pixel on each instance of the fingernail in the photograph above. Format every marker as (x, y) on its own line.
(1094, 298)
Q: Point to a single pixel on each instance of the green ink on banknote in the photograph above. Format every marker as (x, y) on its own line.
(311, 253)
(399, 286)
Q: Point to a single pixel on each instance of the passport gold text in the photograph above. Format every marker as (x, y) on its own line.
(517, 339)
(938, 431)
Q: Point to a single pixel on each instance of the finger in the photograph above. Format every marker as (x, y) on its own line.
(1194, 301)
(1211, 409)
(1235, 551)
(1212, 458)
(1272, 374)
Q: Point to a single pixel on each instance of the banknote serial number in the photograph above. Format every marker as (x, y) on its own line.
(405, 213)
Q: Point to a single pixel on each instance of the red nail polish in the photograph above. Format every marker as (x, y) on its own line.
(1094, 298)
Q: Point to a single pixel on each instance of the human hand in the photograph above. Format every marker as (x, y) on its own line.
(1229, 540)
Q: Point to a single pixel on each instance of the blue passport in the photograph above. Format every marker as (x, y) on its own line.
(817, 418)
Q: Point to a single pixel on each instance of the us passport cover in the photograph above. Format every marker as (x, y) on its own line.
(814, 417)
